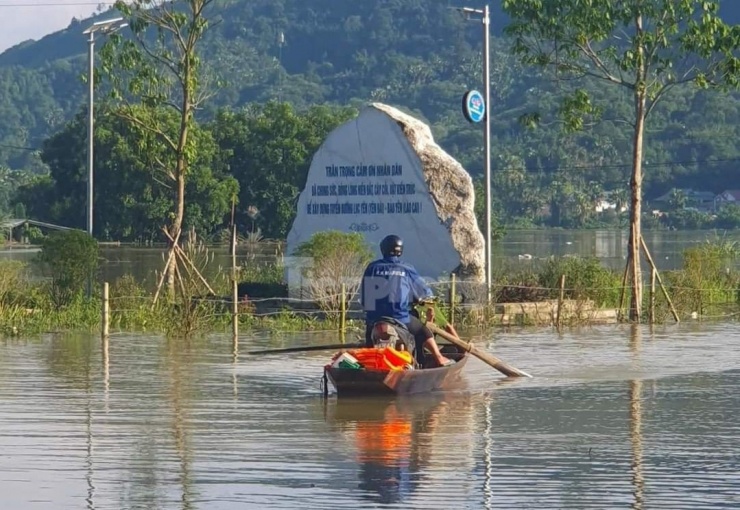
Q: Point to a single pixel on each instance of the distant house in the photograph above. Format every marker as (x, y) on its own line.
(608, 203)
(699, 200)
(9, 226)
(727, 197)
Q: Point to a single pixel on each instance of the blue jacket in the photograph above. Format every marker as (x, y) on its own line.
(389, 288)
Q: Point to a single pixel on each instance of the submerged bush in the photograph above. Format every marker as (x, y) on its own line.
(69, 258)
(337, 258)
(12, 281)
(707, 278)
(585, 278)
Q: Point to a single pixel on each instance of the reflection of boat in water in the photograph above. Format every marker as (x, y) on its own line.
(392, 441)
(349, 381)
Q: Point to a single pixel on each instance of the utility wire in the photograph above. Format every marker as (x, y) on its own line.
(550, 168)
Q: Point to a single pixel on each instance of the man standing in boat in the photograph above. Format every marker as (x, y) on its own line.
(390, 288)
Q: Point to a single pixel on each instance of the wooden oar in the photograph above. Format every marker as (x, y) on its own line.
(309, 348)
(481, 355)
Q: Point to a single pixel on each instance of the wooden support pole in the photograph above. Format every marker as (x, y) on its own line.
(167, 265)
(623, 291)
(234, 288)
(105, 326)
(343, 313)
(653, 272)
(660, 281)
(561, 297)
(453, 298)
(188, 262)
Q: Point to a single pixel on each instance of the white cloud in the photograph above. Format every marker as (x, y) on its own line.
(21, 20)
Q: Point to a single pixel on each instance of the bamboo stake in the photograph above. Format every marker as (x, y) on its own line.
(624, 288)
(234, 286)
(169, 261)
(187, 260)
(560, 300)
(660, 280)
(343, 312)
(106, 313)
(652, 294)
(178, 276)
(453, 298)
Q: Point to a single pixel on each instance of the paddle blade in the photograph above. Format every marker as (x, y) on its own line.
(484, 356)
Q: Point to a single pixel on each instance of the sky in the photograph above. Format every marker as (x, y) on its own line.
(21, 20)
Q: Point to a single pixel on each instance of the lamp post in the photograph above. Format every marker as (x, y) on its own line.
(105, 27)
(486, 22)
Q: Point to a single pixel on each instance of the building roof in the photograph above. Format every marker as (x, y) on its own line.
(17, 222)
(734, 193)
(690, 195)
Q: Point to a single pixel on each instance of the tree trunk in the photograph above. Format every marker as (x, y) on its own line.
(633, 257)
(176, 227)
(186, 113)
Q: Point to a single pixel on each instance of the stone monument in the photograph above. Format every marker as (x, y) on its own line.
(382, 173)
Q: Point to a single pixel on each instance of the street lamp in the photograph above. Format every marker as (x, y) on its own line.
(105, 27)
(486, 22)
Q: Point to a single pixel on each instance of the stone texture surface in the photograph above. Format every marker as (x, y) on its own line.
(451, 189)
(436, 218)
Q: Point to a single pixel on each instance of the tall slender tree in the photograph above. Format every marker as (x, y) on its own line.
(645, 47)
(159, 67)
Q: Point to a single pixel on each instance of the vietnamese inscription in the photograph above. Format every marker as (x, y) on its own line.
(366, 196)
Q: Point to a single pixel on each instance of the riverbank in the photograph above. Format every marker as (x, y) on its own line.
(565, 291)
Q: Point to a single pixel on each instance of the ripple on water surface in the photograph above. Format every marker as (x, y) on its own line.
(615, 418)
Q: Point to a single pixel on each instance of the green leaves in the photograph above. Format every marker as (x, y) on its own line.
(575, 108)
(644, 38)
(69, 258)
(268, 149)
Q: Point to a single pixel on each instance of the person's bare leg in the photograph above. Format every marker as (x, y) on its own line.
(432, 346)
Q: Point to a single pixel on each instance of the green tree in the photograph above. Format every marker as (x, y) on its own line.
(131, 204)
(728, 217)
(677, 199)
(517, 191)
(69, 258)
(338, 259)
(268, 149)
(644, 47)
(160, 65)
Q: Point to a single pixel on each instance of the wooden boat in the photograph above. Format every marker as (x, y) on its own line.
(348, 381)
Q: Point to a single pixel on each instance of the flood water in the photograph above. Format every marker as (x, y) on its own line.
(615, 417)
(518, 249)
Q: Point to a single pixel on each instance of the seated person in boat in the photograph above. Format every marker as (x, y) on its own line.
(389, 289)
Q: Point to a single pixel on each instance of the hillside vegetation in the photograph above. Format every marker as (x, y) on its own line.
(420, 55)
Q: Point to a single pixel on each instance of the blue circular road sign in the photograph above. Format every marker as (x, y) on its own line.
(474, 106)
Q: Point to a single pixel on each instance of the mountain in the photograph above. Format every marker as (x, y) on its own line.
(417, 54)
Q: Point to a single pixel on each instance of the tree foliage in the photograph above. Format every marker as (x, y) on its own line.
(68, 258)
(268, 150)
(417, 55)
(645, 48)
(161, 68)
(338, 260)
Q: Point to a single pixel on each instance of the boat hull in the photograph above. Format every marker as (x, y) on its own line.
(352, 382)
